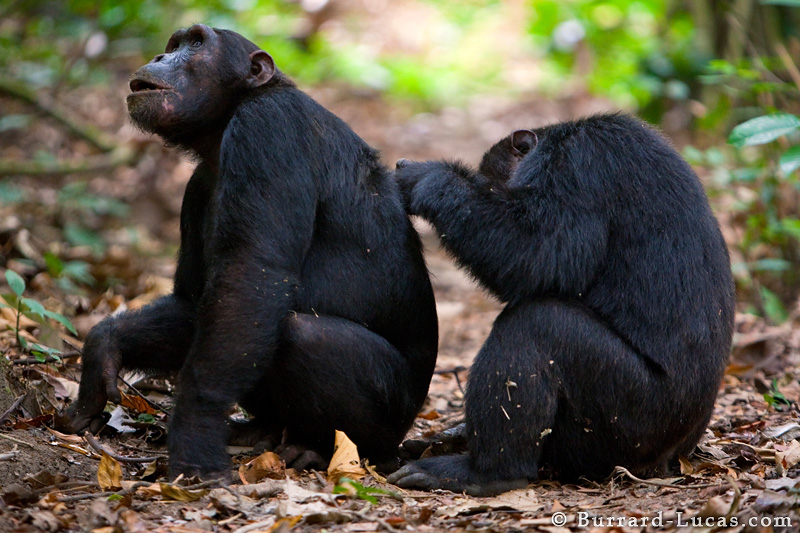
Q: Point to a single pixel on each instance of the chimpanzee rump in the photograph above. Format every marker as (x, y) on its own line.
(620, 303)
(300, 289)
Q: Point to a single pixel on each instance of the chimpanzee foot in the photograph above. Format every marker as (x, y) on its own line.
(301, 458)
(204, 472)
(77, 421)
(450, 472)
(451, 441)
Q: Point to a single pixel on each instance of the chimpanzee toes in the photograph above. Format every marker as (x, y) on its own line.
(77, 421)
(301, 458)
(402, 162)
(411, 476)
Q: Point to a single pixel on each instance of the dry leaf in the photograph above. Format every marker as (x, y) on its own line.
(109, 473)
(174, 492)
(433, 414)
(149, 492)
(345, 461)
(784, 460)
(268, 465)
(73, 439)
(374, 473)
(686, 467)
(138, 404)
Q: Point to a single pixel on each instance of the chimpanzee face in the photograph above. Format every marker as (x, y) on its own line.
(192, 88)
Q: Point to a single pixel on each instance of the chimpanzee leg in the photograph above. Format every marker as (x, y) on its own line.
(327, 373)
(554, 385)
(156, 337)
(332, 374)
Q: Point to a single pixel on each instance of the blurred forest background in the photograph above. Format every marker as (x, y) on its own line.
(89, 205)
(85, 199)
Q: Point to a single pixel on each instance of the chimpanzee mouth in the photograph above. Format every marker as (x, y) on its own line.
(138, 85)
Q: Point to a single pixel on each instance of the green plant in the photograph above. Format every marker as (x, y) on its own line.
(34, 310)
(775, 398)
(757, 180)
(357, 490)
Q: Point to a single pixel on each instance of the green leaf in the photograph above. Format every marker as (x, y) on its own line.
(771, 265)
(34, 307)
(761, 130)
(790, 3)
(61, 319)
(16, 282)
(42, 352)
(54, 264)
(790, 160)
(773, 307)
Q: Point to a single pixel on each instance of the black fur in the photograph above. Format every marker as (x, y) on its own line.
(300, 290)
(620, 303)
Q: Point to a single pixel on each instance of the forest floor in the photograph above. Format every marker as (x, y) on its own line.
(742, 478)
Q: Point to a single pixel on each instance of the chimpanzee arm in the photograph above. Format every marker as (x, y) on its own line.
(263, 224)
(485, 224)
(155, 338)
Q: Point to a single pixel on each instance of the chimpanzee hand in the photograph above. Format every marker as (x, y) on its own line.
(449, 472)
(408, 174)
(101, 365)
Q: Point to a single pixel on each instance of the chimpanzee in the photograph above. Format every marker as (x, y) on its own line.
(620, 303)
(300, 290)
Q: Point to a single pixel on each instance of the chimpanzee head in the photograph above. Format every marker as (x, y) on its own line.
(501, 160)
(191, 90)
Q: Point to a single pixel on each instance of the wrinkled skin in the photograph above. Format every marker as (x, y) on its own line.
(300, 290)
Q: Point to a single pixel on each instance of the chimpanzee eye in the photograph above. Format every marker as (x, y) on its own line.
(198, 41)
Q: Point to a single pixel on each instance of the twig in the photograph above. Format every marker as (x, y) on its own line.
(658, 483)
(69, 485)
(12, 439)
(12, 408)
(96, 137)
(791, 68)
(230, 519)
(120, 156)
(204, 484)
(79, 497)
(152, 404)
(455, 372)
(255, 526)
(48, 359)
(94, 443)
(140, 450)
(7, 456)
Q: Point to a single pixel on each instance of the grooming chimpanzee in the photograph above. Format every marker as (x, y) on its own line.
(620, 303)
(300, 290)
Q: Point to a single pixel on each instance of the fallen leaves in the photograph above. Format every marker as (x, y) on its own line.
(345, 461)
(268, 465)
(109, 473)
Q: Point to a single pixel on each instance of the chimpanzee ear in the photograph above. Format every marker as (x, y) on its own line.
(262, 68)
(523, 141)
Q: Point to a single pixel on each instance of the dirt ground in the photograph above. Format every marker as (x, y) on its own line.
(743, 477)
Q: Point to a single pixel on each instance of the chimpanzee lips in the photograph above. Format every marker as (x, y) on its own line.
(138, 85)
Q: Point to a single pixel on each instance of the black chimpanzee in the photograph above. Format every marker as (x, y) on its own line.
(300, 290)
(620, 303)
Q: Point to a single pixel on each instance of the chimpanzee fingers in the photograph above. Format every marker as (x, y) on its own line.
(402, 162)
(308, 460)
(78, 418)
(112, 391)
(300, 457)
(412, 477)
